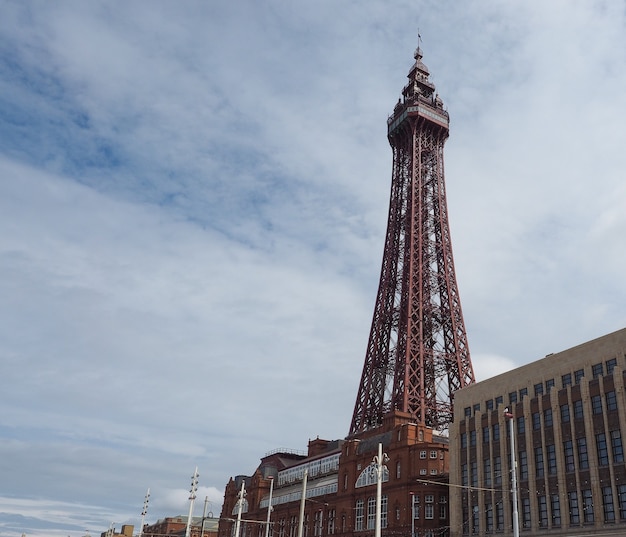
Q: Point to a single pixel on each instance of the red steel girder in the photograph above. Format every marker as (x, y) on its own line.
(417, 354)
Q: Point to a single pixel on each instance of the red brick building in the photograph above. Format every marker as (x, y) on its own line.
(178, 526)
(341, 487)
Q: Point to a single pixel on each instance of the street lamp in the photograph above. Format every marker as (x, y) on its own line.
(509, 416)
(379, 461)
(412, 494)
(269, 508)
(192, 497)
(144, 511)
(242, 494)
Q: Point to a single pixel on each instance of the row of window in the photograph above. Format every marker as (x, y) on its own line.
(597, 370)
(577, 410)
(321, 466)
(289, 527)
(581, 509)
(360, 522)
(429, 506)
(608, 451)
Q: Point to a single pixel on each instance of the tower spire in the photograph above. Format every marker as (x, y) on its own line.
(417, 354)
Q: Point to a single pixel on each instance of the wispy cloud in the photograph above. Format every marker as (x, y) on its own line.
(193, 204)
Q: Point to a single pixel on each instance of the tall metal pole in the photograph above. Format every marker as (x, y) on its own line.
(144, 511)
(412, 514)
(509, 416)
(192, 497)
(269, 509)
(302, 502)
(204, 512)
(240, 508)
(379, 460)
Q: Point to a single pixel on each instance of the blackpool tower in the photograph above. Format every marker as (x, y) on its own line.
(417, 354)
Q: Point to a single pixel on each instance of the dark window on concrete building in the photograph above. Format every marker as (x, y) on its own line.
(564, 413)
(616, 446)
(597, 370)
(555, 506)
(526, 513)
(523, 393)
(578, 410)
(521, 425)
(551, 456)
(621, 501)
(578, 375)
(496, 432)
(547, 417)
(610, 365)
(497, 470)
(596, 404)
(542, 506)
(568, 455)
(523, 466)
(539, 468)
(611, 401)
(538, 389)
(602, 449)
(583, 455)
(607, 504)
(549, 384)
(566, 380)
(588, 506)
(489, 404)
(574, 511)
(485, 435)
(536, 421)
(487, 472)
(513, 397)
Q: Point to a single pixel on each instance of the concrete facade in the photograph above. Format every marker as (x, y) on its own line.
(568, 412)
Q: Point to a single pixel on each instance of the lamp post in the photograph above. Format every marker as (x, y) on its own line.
(379, 461)
(242, 493)
(269, 508)
(509, 416)
(144, 511)
(412, 494)
(205, 511)
(302, 502)
(192, 497)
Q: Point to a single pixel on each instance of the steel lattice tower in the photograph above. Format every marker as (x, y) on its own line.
(417, 354)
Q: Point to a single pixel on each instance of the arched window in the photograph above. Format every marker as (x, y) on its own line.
(368, 476)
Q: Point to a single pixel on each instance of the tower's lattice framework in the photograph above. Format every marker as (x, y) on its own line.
(417, 354)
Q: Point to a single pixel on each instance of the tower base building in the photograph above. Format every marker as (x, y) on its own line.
(340, 482)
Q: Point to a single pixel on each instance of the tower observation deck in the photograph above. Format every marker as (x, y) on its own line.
(417, 354)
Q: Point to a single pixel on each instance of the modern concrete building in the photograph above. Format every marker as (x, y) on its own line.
(568, 414)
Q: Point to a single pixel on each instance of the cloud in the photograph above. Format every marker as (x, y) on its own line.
(193, 206)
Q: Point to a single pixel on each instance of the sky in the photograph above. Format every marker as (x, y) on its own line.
(193, 201)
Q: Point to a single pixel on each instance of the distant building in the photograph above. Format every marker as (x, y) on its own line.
(568, 412)
(178, 526)
(126, 531)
